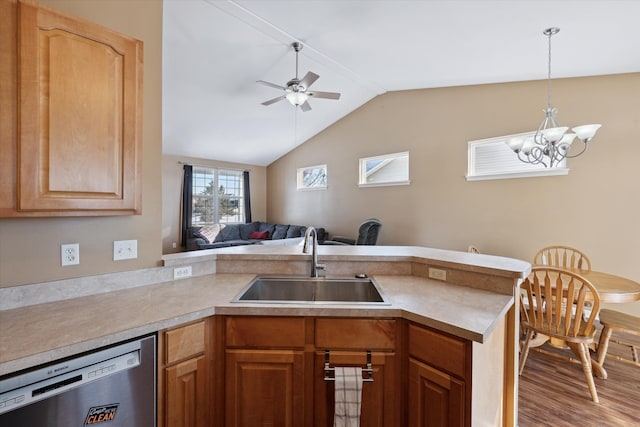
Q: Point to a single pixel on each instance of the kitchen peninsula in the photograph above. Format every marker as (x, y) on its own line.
(469, 307)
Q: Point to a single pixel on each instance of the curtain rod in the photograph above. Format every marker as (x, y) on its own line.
(209, 166)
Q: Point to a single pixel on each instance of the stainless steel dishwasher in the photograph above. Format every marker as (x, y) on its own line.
(113, 386)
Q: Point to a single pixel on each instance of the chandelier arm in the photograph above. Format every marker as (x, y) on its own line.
(556, 155)
(538, 153)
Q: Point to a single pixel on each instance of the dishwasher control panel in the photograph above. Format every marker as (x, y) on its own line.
(58, 378)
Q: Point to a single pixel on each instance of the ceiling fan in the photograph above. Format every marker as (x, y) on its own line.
(296, 90)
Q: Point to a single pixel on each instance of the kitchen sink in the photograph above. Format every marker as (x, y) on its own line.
(320, 290)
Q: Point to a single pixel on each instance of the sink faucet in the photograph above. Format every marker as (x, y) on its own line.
(311, 233)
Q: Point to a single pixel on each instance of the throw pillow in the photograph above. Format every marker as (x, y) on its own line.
(280, 232)
(259, 235)
(209, 232)
(265, 226)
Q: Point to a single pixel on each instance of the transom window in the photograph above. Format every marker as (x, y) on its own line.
(388, 169)
(493, 159)
(218, 196)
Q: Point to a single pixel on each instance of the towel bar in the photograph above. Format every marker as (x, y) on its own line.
(330, 373)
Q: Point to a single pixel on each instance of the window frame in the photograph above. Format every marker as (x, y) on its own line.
(508, 172)
(215, 197)
(362, 170)
(300, 184)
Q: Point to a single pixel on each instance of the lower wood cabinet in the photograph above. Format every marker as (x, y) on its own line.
(380, 399)
(183, 376)
(274, 370)
(264, 388)
(435, 397)
(186, 398)
(439, 379)
(252, 371)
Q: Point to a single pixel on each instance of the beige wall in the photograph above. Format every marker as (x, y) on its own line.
(30, 248)
(595, 207)
(172, 173)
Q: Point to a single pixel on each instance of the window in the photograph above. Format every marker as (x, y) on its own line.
(312, 178)
(389, 169)
(218, 196)
(493, 159)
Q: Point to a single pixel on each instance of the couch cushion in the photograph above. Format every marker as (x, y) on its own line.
(208, 232)
(280, 232)
(259, 235)
(229, 232)
(247, 229)
(296, 231)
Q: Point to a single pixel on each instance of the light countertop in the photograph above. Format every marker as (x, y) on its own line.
(42, 333)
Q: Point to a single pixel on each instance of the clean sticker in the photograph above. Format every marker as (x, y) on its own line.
(101, 414)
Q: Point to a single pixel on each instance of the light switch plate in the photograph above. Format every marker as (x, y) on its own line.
(125, 249)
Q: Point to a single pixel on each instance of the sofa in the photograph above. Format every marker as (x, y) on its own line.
(252, 233)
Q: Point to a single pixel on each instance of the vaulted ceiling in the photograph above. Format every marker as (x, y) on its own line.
(215, 51)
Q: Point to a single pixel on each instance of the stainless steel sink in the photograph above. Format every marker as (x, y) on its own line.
(320, 290)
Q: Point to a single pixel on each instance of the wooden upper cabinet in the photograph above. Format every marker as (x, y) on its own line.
(79, 117)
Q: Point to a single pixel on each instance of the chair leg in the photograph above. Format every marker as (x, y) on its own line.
(603, 344)
(583, 349)
(525, 350)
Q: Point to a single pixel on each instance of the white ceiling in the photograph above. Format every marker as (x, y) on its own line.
(214, 51)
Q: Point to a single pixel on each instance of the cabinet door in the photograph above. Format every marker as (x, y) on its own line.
(436, 399)
(80, 116)
(264, 388)
(186, 402)
(380, 398)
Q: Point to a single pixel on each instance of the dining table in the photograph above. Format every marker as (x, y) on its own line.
(611, 289)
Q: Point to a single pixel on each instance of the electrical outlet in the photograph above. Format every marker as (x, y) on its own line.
(181, 272)
(70, 254)
(436, 273)
(125, 249)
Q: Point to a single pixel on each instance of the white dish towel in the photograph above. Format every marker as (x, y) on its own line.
(348, 396)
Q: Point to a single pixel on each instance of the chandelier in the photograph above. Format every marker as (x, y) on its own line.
(551, 142)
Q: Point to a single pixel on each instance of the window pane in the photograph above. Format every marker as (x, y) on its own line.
(218, 196)
(390, 169)
(312, 178)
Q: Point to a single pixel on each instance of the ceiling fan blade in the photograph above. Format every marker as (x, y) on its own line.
(327, 95)
(308, 79)
(275, 86)
(274, 100)
(305, 106)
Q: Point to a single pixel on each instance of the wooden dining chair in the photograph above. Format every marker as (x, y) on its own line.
(553, 303)
(562, 256)
(611, 321)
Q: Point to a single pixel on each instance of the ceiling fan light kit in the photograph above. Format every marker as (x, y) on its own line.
(296, 90)
(551, 142)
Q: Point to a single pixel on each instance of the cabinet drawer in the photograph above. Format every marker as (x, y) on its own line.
(185, 342)
(441, 351)
(282, 332)
(369, 334)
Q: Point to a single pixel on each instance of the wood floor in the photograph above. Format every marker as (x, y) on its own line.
(554, 393)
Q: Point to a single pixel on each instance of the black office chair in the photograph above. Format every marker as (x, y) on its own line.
(367, 234)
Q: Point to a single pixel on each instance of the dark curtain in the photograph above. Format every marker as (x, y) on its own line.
(187, 202)
(247, 197)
